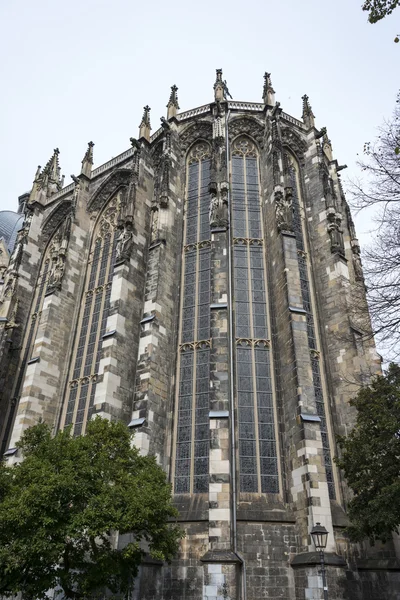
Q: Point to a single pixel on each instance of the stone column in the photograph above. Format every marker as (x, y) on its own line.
(220, 562)
(309, 488)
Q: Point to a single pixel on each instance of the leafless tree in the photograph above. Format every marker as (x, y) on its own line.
(379, 190)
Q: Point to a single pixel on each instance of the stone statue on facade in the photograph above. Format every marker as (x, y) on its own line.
(9, 286)
(59, 255)
(214, 209)
(12, 321)
(57, 273)
(284, 209)
(125, 242)
(357, 264)
(335, 232)
(16, 257)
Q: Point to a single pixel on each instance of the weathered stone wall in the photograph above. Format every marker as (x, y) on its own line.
(238, 545)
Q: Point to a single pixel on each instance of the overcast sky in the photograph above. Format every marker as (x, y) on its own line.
(81, 70)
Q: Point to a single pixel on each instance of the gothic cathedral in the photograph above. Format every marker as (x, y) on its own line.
(200, 287)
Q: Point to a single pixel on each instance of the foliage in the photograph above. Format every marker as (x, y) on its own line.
(380, 190)
(370, 459)
(61, 506)
(378, 9)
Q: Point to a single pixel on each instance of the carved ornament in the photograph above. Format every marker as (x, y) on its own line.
(199, 130)
(249, 126)
(118, 179)
(293, 142)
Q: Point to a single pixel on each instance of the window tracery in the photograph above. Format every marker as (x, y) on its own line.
(258, 462)
(93, 319)
(192, 438)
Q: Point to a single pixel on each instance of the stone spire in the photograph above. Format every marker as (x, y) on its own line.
(327, 146)
(47, 181)
(51, 172)
(145, 127)
(268, 91)
(87, 162)
(308, 115)
(172, 106)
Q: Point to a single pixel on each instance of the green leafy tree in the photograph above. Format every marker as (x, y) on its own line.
(60, 509)
(370, 459)
(379, 9)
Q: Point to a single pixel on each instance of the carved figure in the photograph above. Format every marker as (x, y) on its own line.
(125, 242)
(284, 209)
(12, 321)
(9, 288)
(275, 168)
(214, 209)
(357, 264)
(16, 256)
(57, 273)
(335, 232)
(26, 226)
(58, 255)
(154, 225)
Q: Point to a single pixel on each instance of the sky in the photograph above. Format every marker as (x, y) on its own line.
(82, 70)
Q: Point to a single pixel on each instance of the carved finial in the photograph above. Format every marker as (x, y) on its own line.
(219, 87)
(268, 91)
(145, 127)
(52, 168)
(87, 161)
(173, 105)
(327, 146)
(308, 115)
(49, 179)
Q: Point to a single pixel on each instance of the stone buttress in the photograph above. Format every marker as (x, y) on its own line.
(205, 287)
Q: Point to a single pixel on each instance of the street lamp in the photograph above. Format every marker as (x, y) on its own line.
(320, 538)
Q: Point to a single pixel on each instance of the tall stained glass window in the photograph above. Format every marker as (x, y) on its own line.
(192, 438)
(92, 322)
(312, 340)
(29, 340)
(258, 463)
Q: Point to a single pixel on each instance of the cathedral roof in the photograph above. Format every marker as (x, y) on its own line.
(10, 223)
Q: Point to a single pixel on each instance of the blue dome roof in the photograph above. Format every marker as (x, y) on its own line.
(10, 223)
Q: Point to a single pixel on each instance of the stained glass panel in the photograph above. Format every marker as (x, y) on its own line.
(192, 443)
(258, 460)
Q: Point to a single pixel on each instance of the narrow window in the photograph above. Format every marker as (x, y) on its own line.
(92, 322)
(258, 464)
(192, 438)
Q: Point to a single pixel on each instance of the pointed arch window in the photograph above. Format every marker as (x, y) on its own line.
(192, 436)
(258, 461)
(30, 336)
(92, 321)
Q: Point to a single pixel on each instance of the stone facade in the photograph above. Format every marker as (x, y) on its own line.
(199, 287)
